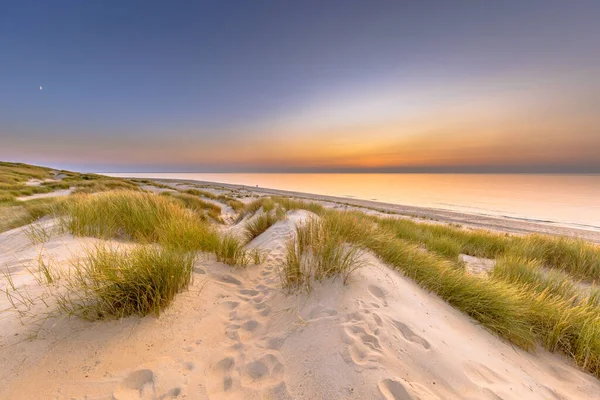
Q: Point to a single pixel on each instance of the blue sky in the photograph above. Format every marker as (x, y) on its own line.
(293, 86)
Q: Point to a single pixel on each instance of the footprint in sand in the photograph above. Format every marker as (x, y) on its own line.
(222, 373)
(228, 280)
(320, 312)
(137, 385)
(265, 371)
(364, 348)
(410, 336)
(399, 389)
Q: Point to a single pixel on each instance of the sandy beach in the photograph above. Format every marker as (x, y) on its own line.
(237, 334)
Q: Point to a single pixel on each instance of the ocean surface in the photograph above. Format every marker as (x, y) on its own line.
(566, 200)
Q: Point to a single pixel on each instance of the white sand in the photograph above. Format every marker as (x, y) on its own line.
(236, 335)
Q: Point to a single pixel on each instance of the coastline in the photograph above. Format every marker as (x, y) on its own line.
(477, 221)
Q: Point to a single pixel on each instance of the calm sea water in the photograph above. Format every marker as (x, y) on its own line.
(570, 200)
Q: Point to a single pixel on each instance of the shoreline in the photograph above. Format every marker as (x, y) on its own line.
(492, 223)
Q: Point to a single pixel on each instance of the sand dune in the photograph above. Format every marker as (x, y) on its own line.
(237, 335)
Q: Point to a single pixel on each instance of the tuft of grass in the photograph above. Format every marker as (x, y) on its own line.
(294, 272)
(236, 205)
(259, 224)
(294, 204)
(25, 212)
(318, 252)
(188, 234)
(200, 206)
(530, 273)
(448, 240)
(574, 256)
(142, 217)
(117, 283)
(201, 193)
(230, 250)
(37, 234)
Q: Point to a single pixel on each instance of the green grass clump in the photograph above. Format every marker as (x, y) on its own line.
(294, 204)
(21, 213)
(252, 207)
(102, 185)
(230, 250)
(574, 256)
(259, 224)
(198, 205)
(188, 234)
(318, 252)
(530, 273)
(142, 217)
(117, 283)
(12, 173)
(236, 205)
(201, 193)
(7, 197)
(447, 240)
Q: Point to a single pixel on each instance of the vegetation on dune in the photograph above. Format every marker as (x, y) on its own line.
(201, 193)
(26, 212)
(230, 250)
(110, 282)
(259, 224)
(200, 206)
(295, 204)
(142, 217)
(520, 302)
(236, 205)
(576, 257)
(318, 251)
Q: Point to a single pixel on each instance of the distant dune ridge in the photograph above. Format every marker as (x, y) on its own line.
(139, 289)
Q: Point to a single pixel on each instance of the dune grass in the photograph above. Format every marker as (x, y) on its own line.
(573, 256)
(110, 282)
(318, 252)
(230, 250)
(259, 224)
(138, 216)
(198, 205)
(576, 257)
(289, 204)
(237, 205)
(20, 213)
(521, 271)
(201, 193)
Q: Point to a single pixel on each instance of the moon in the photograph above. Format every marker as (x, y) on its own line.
(41, 87)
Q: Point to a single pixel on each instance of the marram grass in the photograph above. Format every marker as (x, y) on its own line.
(110, 282)
(141, 217)
(259, 224)
(318, 252)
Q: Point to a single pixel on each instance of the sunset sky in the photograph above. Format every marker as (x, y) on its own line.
(507, 86)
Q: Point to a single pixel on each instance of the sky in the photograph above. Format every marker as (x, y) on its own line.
(301, 86)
